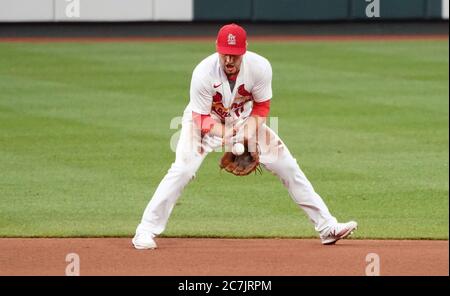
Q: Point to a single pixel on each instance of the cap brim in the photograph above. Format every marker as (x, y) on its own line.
(230, 50)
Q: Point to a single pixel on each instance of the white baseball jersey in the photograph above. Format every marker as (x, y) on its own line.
(210, 91)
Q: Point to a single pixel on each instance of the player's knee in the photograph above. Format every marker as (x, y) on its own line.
(289, 173)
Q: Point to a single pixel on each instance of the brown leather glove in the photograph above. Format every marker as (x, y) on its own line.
(240, 165)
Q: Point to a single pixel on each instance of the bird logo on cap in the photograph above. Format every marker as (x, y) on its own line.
(231, 39)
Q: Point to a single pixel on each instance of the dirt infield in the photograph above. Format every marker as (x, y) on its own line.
(183, 256)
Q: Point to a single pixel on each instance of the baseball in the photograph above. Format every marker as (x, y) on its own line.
(238, 149)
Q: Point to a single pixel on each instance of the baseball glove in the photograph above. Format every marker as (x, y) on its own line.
(240, 165)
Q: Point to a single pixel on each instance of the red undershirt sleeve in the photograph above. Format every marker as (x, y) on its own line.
(261, 109)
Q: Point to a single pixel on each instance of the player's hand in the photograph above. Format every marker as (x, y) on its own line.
(247, 130)
(218, 130)
(228, 138)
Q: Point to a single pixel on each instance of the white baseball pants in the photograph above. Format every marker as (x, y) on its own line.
(276, 158)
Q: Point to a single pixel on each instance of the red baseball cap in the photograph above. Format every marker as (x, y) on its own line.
(231, 39)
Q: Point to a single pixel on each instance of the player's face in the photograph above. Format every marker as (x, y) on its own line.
(230, 63)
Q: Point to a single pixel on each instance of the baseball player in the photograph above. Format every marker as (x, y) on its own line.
(232, 85)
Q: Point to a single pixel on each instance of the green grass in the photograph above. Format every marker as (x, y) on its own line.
(84, 139)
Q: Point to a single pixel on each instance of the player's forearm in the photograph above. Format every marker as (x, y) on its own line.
(218, 130)
(206, 124)
(259, 121)
(258, 117)
(253, 126)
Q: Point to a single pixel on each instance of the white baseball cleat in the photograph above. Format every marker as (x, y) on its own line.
(143, 241)
(337, 232)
